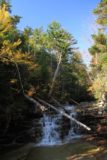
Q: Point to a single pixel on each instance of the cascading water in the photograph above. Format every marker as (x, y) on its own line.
(72, 113)
(54, 126)
(50, 129)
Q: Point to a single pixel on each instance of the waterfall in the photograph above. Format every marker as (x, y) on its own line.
(55, 130)
(71, 133)
(50, 129)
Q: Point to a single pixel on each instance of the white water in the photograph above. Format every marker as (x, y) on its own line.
(51, 128)
(71, 133)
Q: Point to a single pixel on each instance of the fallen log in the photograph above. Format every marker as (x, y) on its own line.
(61, 111)
(42, 107)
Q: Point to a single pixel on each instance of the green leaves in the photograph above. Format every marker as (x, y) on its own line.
(99, 51)
(60, 39)
(61, 42)
(101, 12)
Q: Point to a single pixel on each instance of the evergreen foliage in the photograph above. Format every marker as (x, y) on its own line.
(99, 52)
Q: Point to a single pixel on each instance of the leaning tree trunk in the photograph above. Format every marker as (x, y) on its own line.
(55, 75)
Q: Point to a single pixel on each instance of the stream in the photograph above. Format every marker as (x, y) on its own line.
(76, 150)
(59, 140)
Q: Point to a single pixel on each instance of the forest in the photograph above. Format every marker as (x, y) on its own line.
(40, 68)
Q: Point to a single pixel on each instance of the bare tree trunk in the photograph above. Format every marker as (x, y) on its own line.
(61, 111)
(55, 75)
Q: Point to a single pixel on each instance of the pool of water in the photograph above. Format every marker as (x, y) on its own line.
(76, 150)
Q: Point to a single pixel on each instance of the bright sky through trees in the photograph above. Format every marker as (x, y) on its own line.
(74, 15)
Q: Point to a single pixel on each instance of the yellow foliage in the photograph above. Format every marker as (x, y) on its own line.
(5, 19)
(17, 43)
(99, 85)
(20, 57)
(31, 91)
(13, 81)
(8, 49)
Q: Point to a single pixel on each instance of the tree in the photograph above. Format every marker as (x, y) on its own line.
(6, 3)
(99, 47)
(38, 40)
(60, 44)
(12, 54)
(12, 43)
(99, 52)
(74, 79)
(101, 12)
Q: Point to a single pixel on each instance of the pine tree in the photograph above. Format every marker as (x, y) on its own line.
(99, 51)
